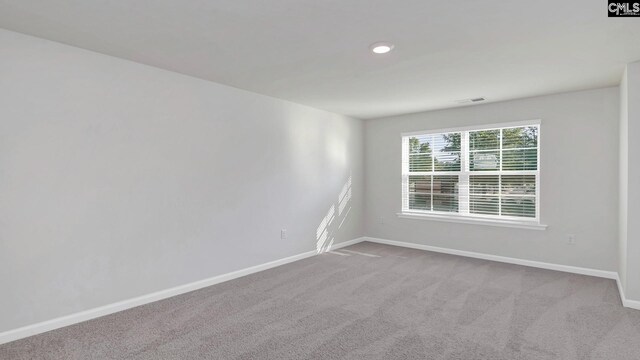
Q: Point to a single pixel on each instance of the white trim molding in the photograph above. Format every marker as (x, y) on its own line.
(473, 220)
(427, 173)
(41, 327)
(632, 304)
(503, 259)
(82, 316)
(493, 126)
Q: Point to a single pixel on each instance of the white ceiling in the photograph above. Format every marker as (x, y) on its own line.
(315, 52)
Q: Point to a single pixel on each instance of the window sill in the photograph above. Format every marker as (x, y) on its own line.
(474, 220)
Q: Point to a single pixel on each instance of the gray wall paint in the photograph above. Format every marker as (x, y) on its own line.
(623, 179)
(119, 179)
(579, 183)
(629, 263)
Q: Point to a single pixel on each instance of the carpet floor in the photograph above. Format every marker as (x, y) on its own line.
(366, 301)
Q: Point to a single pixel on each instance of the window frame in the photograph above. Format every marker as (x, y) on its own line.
(463, 178)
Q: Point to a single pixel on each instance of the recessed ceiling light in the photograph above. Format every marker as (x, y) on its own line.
(381, 47)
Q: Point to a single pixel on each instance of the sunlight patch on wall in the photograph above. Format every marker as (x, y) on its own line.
(327, 230)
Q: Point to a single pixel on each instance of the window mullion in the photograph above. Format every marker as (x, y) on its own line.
(500, 176)
(433, 169)
(431, 190)
(463, 180)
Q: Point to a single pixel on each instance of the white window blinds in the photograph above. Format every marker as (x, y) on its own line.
(490, 172)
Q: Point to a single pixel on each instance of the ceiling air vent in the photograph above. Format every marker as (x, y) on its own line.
(472, 100)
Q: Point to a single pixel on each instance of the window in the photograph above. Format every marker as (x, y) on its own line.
(488, 173)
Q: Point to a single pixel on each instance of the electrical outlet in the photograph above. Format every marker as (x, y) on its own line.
(283, 234)
(571, 239)
(381, 220)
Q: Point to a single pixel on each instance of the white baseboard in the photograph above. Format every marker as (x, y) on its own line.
(71, 319)
(503, 259)
(632, 304)
(75, 318)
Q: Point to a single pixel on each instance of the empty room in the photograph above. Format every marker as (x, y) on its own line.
(297, 179)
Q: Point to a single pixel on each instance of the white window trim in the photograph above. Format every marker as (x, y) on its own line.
(491, 220)
(476, 127)
(478, 220)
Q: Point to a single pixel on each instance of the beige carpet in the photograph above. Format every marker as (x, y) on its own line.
(367, 301)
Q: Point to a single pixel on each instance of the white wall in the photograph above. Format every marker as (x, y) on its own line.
(629, 258)
(579, 182)
(119, 179)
